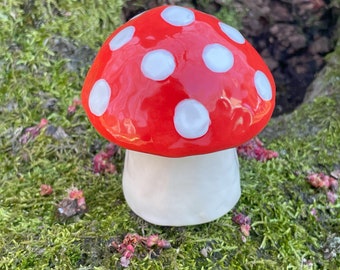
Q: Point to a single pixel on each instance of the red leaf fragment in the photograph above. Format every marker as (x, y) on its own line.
(74, 193)
(316, 180)
(163, 244)
(245, 229)
(333, 184)
(45, 190)
(31, 133)
(152, 240)
(320, 180)
(72, 205)
(254, 149)
(101, 161)
(132, 241)
(78, 195)
(241, 219)
(72, 108)
(244, 221)
(129, 250)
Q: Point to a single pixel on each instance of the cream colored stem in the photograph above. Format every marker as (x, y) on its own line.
(181, 191)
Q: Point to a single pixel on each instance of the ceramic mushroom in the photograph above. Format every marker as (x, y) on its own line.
(179, 89)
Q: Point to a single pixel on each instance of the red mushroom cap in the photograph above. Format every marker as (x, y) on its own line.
(175, 82)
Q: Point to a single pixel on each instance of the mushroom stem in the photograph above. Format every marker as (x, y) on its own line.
(181, 191)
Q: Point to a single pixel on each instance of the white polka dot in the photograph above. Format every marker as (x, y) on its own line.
(232, 33)
(217, 58)
(262, 85)
(99, 97)
(122, 38)
(191, 119)
(178, 16)
(158, 65)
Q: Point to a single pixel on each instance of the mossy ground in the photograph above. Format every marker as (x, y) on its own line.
(38, 81)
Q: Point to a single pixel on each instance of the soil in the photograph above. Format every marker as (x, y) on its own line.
(293, 36)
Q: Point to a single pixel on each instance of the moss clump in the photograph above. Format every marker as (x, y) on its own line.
(37, 81)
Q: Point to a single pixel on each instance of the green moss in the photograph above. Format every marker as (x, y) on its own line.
(37, 82)
(229, 15)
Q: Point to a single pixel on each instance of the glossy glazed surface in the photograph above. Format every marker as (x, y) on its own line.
(193, 190)
(176, 82)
